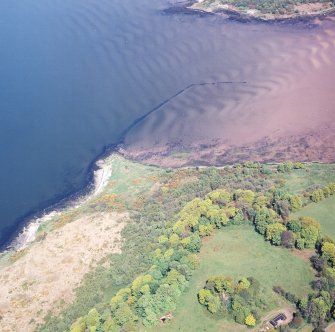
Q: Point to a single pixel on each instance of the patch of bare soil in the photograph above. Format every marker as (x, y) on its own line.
(306, 8)
(330, 328)
(303, 254)
(45, 277)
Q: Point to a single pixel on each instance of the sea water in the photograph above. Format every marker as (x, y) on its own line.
(74, 75)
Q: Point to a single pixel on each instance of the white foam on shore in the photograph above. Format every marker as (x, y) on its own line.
(101, 177)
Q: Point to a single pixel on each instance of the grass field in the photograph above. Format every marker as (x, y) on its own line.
(127, 185)
(299, 180)
(131, 179)
(324, 212)
(239, 251)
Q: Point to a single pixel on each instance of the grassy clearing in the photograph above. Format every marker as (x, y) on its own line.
(300, 180)
(323, 212)
(239, 251)
(129, 179)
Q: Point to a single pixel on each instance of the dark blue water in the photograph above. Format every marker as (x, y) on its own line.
(75, 74)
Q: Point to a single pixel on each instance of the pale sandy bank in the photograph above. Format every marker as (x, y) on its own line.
(48, 272)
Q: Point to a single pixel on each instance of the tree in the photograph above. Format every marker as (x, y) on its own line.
(150, 318)
(244, 196)
(329, 273)
(308, 221)
(320, 284)
(238, 303)
(298, 165)
(317, 262)
(310, 234)
(287, 239)
(239, 316)
(274, 233)
(205, 230)
(317, 195)
(318, 308)
(168, 254)
(283, 208)
(250, 320)
(211, 301)
(220, 196)
(263, 218)
(244, 283)
(303, 306)
(220, 284)
(174, 240)
(174, 277)
(92, 319)
(331, 187)
(124, 315)
(238, 218)
(204, 295)
(163, 239)
(213, 304)
(294, 226)
(285, 167)
(165, 298)
(195, 243)
(144, 303)
(300, 243)
(295, 203)
(328, 252)
(78, 326)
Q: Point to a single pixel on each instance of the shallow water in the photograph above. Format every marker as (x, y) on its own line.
(75, 74)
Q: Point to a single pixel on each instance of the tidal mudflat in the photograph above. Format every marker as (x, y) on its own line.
(273, 103)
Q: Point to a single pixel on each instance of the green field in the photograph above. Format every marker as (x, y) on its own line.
(239, 251)
(128, 184)
(300, 180)
(131, 179)
(154, 196)
(324, 212)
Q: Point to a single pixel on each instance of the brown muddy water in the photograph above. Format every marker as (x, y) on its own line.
(269, 98)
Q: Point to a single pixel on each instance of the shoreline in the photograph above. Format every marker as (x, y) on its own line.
(196, 7)
(26, 226)
(307, 146)
(98, 175)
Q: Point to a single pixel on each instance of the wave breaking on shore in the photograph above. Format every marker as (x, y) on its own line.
(101, 173)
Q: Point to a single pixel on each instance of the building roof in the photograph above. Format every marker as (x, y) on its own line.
(281, 317)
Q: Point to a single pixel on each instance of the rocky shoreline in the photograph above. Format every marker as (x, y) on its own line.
(312, 146)
(231, 12)
(101, 174)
